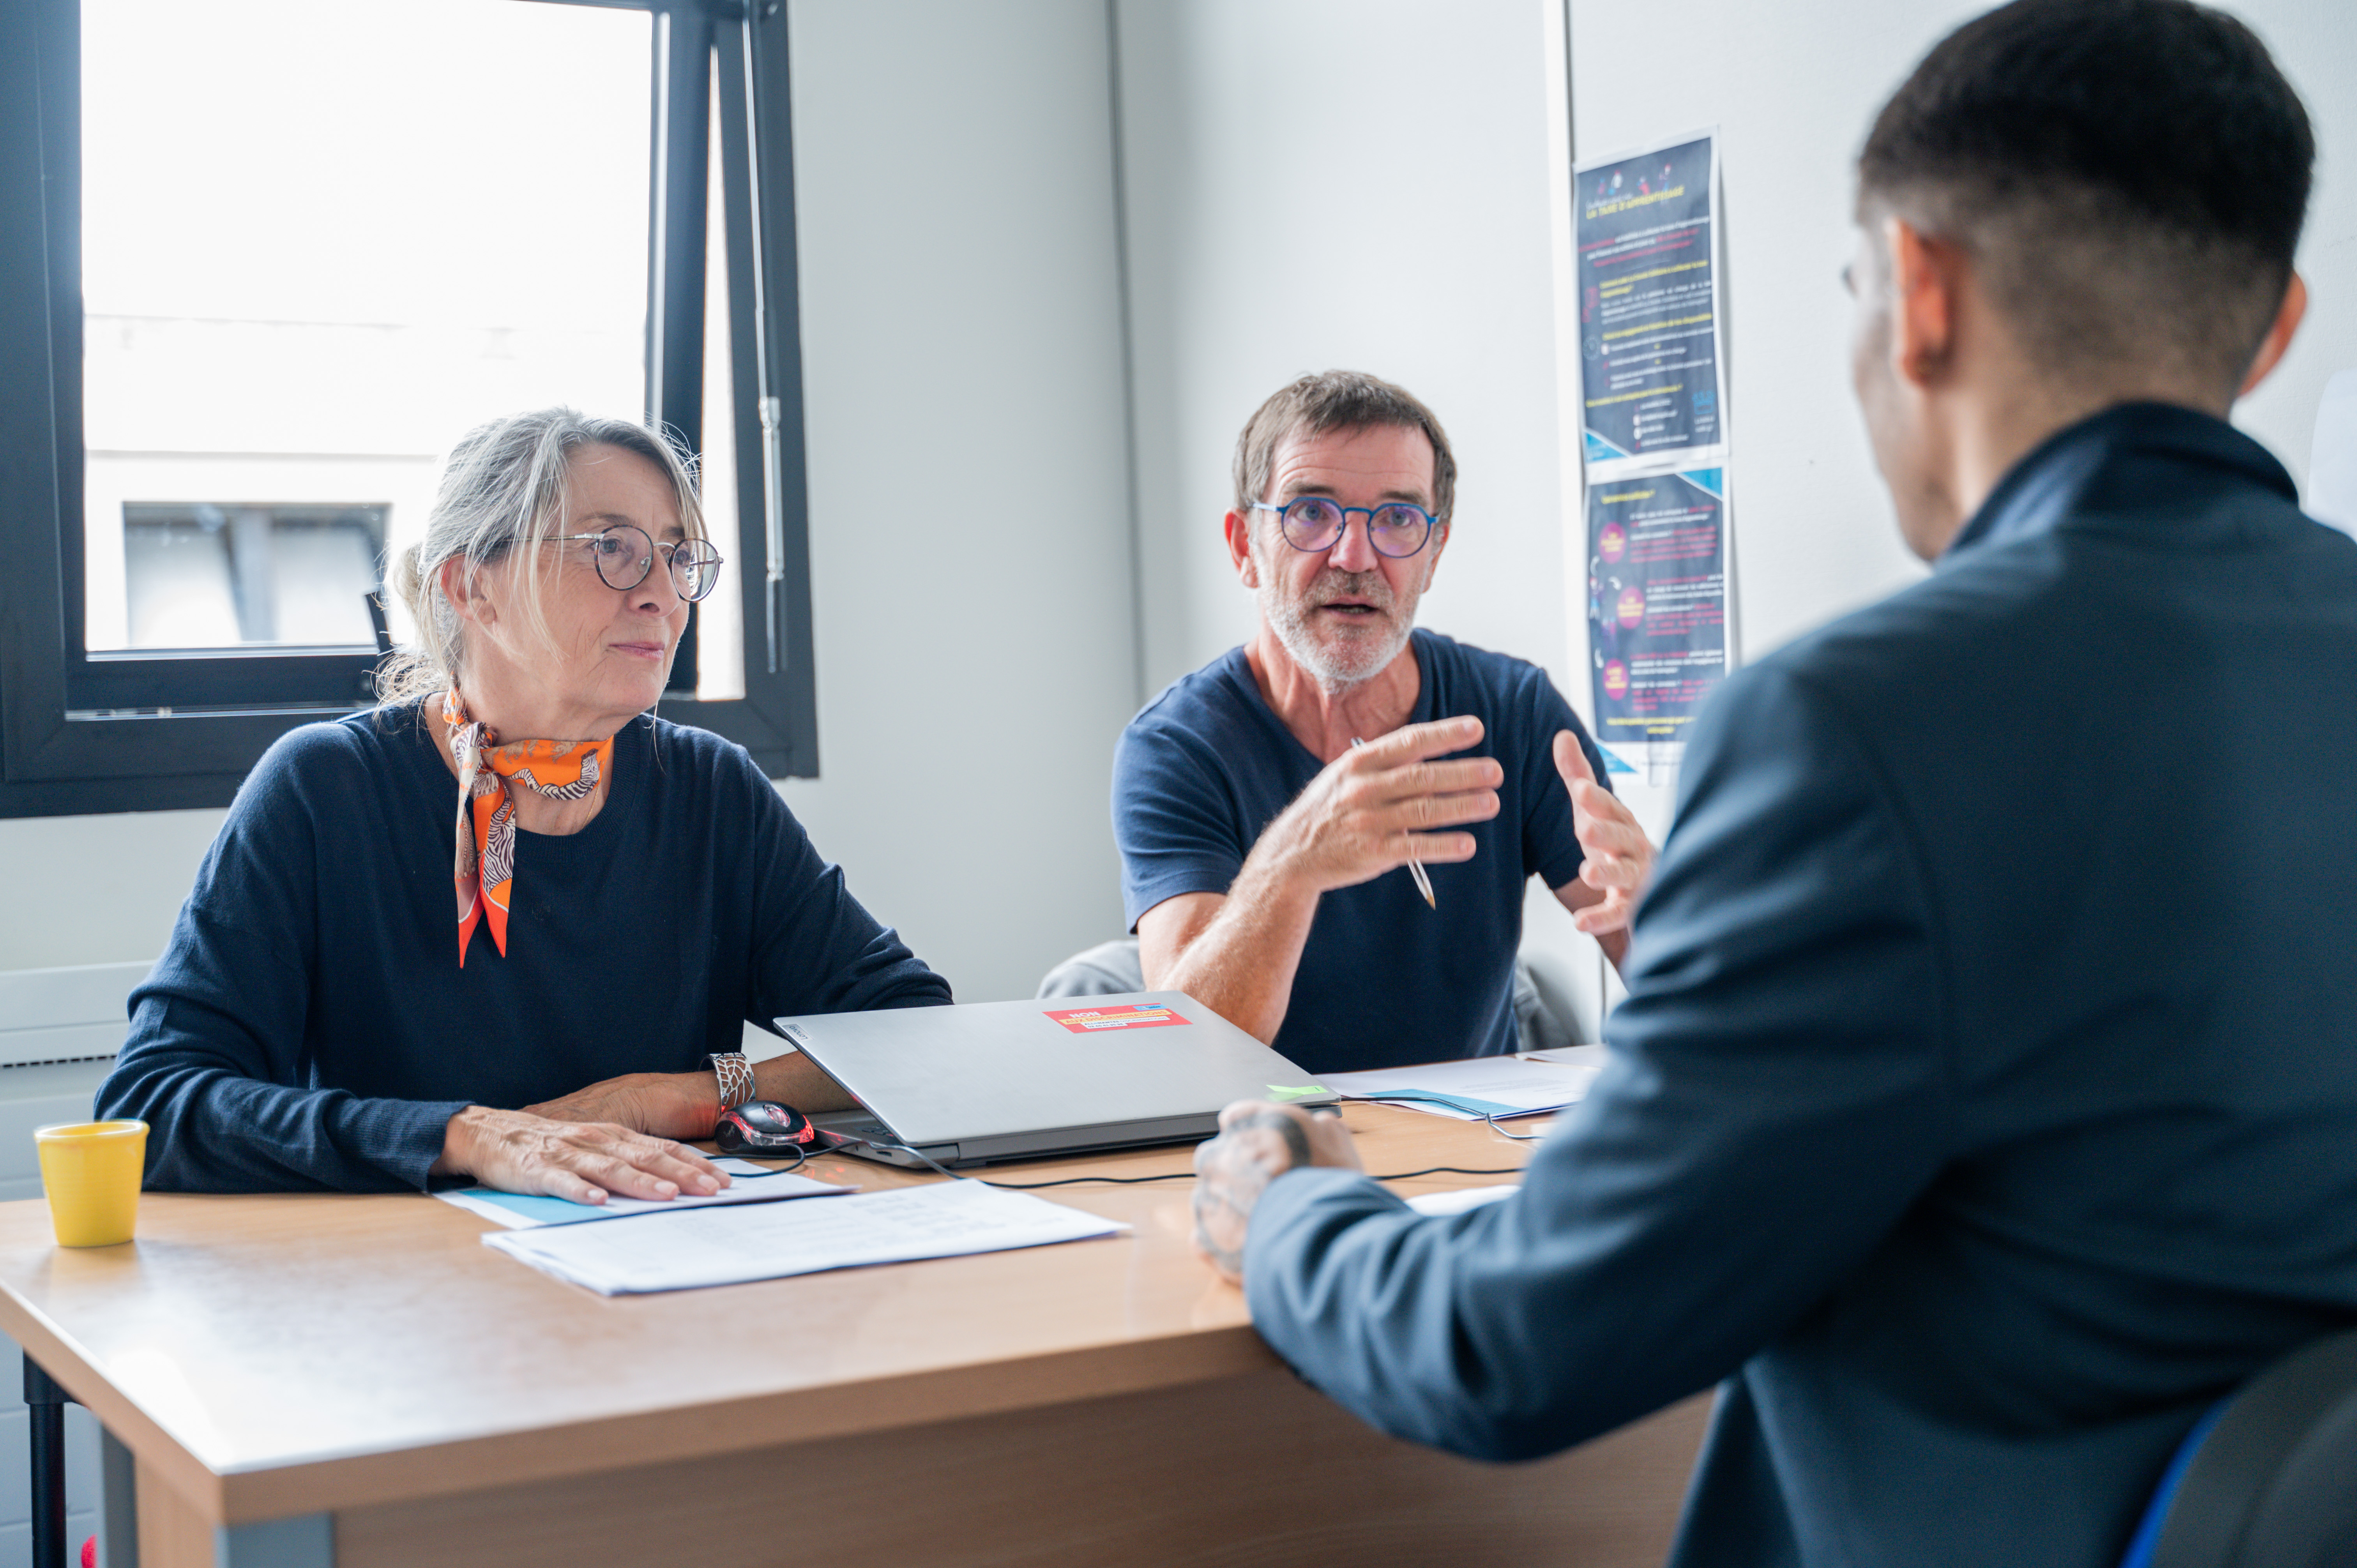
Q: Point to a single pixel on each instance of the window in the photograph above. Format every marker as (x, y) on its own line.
(206, 575)
(262, 261)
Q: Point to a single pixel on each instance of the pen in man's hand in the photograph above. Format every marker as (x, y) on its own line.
(1415, 866)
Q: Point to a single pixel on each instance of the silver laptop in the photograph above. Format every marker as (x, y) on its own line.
(1010, 1080)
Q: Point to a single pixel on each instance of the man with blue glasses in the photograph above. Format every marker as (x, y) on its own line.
(1326, 833)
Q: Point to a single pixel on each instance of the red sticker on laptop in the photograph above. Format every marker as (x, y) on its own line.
(1089, 1020)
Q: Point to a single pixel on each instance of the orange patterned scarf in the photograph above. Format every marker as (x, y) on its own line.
(488, 772)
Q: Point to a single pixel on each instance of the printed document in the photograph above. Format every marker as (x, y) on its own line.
(1483, 1087)
(752, 1183)
(770, 1241)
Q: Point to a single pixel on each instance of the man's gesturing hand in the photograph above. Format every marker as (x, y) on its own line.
(1370, 809)
(1257, 1143)
(516, 1151)
(1619, 857)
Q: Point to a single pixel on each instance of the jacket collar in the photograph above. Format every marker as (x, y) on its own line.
(2037, 492)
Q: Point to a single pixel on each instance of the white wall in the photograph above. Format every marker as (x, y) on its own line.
(970, 530)
(1313, 184)
(2315, 41)
(1793, 88)
(101, 889)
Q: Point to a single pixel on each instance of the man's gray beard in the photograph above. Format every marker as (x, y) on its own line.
(1355, 660)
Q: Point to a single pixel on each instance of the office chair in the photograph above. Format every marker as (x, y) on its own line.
(2268, 1478)
(1108, 969)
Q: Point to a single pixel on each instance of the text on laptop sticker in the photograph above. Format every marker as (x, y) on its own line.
(1087, 1020)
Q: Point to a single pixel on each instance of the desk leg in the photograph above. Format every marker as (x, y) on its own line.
(308, 1541)
(46, 1403)
(174, 1535)
(118, 1502)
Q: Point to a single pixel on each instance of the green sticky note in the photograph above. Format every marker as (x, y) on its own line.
(1279, 1091)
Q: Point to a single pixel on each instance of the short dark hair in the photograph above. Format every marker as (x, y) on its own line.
(1338, 400)
(2131, 176)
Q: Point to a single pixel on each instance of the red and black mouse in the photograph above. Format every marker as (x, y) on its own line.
(766, 1127)
(763, 1128)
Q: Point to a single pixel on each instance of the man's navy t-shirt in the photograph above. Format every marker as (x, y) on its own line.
(1384, 981)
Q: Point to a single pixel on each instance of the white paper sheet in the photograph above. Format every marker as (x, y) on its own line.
(730, 1245)
(1463, 1198)
(754, 1184)
(1484, 1085)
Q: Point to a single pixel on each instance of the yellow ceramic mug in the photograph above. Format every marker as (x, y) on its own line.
(91, 1171)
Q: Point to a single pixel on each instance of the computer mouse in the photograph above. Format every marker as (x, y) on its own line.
(765, 1127)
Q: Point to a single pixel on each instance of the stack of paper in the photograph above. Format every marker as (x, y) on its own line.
(1483, 1087)
(770, 1241)
(752, 1183)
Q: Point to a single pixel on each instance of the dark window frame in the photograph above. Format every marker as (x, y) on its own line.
(151, 730)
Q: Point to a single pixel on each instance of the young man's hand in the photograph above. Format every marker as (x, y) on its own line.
(1257, 1142)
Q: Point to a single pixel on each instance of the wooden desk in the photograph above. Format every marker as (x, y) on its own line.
(307, 1380)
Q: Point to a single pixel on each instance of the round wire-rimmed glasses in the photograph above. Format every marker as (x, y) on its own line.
(625, 554)
(1315, 523)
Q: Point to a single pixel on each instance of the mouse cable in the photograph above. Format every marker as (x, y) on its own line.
(1189, 1176)
(1487, 1118)
(1491, 1122)
(1450, 1170)
(1133, 1180)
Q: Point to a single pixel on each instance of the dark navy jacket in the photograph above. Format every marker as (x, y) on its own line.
(1984, 1105)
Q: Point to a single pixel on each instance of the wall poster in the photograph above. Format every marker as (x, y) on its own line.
(1654, 437)
(1656, 602)
(1646, 247)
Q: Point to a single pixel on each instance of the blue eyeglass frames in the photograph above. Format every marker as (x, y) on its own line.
(1315, 523)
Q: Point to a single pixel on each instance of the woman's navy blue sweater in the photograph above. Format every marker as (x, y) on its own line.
(310, 1027)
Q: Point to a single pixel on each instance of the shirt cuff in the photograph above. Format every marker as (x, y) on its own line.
(416, 1142)
(1340, 1196)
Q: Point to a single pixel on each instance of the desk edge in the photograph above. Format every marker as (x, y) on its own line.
(236, 1495)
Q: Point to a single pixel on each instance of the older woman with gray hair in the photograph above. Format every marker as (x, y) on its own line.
(625, 893)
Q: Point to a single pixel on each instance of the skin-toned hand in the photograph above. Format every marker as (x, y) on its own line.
(1370, 810)
(516, 1151)
(664, 1104)
(1619, 857)
(1257, 1143)
(1364, 814)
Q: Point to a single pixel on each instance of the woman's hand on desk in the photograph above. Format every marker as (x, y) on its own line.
(662, 1105)
(517, 1150)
